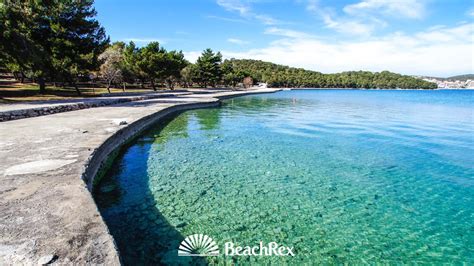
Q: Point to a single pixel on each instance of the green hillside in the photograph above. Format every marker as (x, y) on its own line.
(283, 76)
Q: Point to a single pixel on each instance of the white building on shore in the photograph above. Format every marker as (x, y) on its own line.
(452, 84)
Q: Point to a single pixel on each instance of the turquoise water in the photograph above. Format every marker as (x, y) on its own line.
(342, 176)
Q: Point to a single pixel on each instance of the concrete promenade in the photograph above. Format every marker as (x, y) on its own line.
(23, 110)
(47, 167)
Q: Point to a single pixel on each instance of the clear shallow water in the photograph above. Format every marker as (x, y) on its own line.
(340, 175)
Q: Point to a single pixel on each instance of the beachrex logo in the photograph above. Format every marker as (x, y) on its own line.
(198, 245)
(202, 245)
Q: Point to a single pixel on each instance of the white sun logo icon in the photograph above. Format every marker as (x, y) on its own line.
(198, 245)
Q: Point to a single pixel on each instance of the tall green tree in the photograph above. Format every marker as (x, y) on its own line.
(53, 39)
(175, 62)
(209, 68)
(130, 69)
(228, 72)
(76, 40)
(156, 64)
(151, 60)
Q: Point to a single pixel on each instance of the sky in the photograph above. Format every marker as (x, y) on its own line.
(414, 37)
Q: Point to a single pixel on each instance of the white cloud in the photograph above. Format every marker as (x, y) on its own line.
(348, 26)
(267, 20)
(365, 17)
(312, 5)
(237, 41)
(235, 5)
(406, 8)
(351, 26)
(245, 10)
(437, 52)
(471, 12)
(192, 56)
(180, 32)
(227, 19)
(287, 33)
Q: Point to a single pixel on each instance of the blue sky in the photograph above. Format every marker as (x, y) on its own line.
(420, 37)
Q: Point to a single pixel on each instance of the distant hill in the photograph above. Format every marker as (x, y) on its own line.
(453, 78)
(283, 76)
(462, 77)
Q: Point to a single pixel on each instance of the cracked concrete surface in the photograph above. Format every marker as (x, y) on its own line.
(46, 209)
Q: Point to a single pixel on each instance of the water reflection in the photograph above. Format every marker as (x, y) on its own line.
(166, 130)
(208, 119)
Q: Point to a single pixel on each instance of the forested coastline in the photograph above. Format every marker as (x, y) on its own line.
(283, 76)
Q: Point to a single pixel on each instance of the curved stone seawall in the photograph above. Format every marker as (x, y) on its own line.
(46, 211)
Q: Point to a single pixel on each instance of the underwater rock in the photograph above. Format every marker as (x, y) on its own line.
(181, 224)
(277, 230)
(240, 228)
(298, 239)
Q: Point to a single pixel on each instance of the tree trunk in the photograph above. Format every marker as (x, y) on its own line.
(169, 84)
(123, 88)
(153, 85)
(77, 89)
(42, 85)
(108, 86)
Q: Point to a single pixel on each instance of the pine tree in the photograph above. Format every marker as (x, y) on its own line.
(209, 69)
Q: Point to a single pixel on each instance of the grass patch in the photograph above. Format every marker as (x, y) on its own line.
(15, 92)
